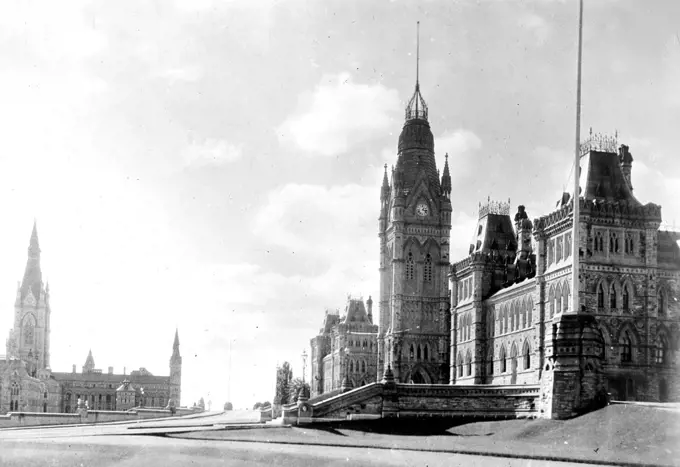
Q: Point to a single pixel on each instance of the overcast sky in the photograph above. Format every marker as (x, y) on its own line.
(215, 165)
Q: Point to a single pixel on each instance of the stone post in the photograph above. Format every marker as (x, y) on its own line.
(390, 402)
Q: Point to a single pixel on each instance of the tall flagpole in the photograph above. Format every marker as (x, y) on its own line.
(577, 173)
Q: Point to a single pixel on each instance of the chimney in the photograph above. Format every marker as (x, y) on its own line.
(74, 368)
(626, 161)
(110, 370)
(369, 305)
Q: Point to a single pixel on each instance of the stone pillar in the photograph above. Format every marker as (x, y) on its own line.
(390, 402)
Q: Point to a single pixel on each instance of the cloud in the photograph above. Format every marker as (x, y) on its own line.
(462, 229)
(462, 147)
(211, 152)
(340, 114)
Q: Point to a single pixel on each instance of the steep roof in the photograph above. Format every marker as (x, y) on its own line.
(602, 179)
(32, 275)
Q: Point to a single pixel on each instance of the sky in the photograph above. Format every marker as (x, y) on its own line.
(215, 166)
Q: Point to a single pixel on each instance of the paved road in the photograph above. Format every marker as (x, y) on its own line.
(143, 443)
(153, 451)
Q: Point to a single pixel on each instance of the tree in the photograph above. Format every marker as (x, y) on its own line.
(284, 376)
(228, 406)
(257, 405)
(201, 403)
(296, 386)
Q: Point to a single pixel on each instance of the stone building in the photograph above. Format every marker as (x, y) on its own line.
(501, 317)
(344, 354)
(27, 382)
(512, 293)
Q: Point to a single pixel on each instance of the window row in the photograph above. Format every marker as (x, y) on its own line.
(512, 316)
(357, 366)
(410, 270)
(558, 297)
(614, 296)
(505, 361)
(559, 248)
(365, 344)
(615, 241)
(419, 352)
(465, 289)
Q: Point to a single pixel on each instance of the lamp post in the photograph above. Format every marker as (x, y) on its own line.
(304, 364)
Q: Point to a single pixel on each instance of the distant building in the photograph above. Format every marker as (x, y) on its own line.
(27, 383)
(345, 351)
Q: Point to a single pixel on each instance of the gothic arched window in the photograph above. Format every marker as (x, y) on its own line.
(565, 296)
(425, 352)
(626, 299)
(410, 266)
(662, 350)
(29, 331)
(662, 302)
(530, 312)
(411, 352)
(468, 363)
(460, 364)
(612, 297)
(502, 360)
(626, 348)
(526, 352)
(600, 296)
(427, 270)
(419, 353)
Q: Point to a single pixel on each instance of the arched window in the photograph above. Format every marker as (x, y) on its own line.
(512, 317)
(525, 307)
(425, 352)
(628, 243)
(626, 348)
(599, 242)
(468, 363)
(410, 266)
(411, 352)
(419, 353)
(662, 350)
(626, 299)
(490, 364)
(612, 297)
(526, 353)
(600, 296)
(662, 302)
(351, 366)
(518, 313)
(505, 319)
(530, 313)
(502, 360)
(427, 270)
(558, 298)
(363, 366)
(460, 364)
(613, 242)
(469, 326)
(565, 297)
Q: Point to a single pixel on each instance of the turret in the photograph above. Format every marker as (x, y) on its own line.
(176, 372)
(446, 178)
(89, 363)
(369, 308)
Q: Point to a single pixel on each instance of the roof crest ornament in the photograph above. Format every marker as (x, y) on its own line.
(416, 107)
(600, 142)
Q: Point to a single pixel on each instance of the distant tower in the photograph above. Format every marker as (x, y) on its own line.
(414, 231)
(31, 331)
(89, 363)
(176, 372)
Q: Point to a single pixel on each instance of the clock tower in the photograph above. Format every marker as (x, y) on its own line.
(414, 231)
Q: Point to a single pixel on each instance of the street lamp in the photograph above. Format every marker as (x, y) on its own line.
(304, 364)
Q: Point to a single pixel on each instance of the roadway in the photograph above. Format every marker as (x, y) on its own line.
(144, 443)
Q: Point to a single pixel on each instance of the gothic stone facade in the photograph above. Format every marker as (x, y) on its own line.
(27, 382)
(511, 295)
(504, 316)
(344, 354)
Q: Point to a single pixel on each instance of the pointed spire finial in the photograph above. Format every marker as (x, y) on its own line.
(418, 54)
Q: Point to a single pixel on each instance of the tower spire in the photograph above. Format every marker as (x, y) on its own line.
(32, 275)
(418, 55)
(446, 177)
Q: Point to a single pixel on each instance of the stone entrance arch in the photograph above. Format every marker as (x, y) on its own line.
(419, 376)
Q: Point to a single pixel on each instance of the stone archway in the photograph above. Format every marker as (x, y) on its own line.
(419, 376)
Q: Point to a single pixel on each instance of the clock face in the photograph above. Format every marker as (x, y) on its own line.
(422, 210)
